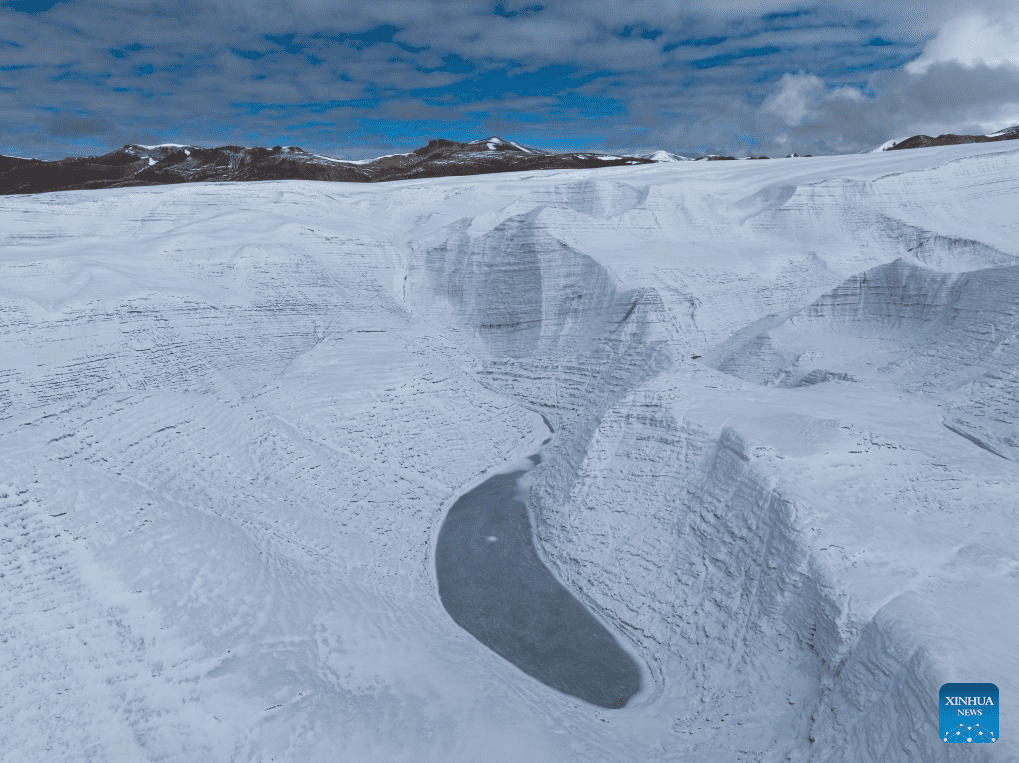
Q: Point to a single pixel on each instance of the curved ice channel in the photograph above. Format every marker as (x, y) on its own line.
(495, 587)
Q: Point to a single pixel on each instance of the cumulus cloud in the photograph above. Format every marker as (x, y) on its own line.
(801, 97)
(806, 115)
(970, 40)
(796, 98)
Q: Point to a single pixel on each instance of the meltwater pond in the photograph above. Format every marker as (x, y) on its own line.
(495, 587)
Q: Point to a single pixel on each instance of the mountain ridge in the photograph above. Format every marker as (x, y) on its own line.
(139, 165)
(136, 164)
(951, 139)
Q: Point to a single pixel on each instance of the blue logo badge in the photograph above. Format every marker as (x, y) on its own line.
(968, 713)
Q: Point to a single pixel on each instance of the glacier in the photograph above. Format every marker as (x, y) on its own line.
(775, 404)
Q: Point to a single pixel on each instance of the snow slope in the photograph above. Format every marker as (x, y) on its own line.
(666, 156)
(780, 408)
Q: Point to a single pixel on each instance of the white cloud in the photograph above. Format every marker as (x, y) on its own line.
(845, 94)
(796, 98)
(971, 40)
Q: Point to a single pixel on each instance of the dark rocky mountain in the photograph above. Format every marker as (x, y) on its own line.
(136, 165)
(923, 141)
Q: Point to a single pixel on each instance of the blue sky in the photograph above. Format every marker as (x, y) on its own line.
(356, 79)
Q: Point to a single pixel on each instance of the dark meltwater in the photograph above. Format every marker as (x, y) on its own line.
(495, 587)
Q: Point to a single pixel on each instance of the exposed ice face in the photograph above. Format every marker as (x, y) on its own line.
(519, 290)
(232, 417)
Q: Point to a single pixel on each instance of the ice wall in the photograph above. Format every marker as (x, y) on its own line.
(664, 529)
(676, 533)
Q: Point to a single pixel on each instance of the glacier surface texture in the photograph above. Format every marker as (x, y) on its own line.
(759, 422)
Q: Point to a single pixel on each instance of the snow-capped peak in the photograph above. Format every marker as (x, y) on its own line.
(885, 146)
(494, 143)
(666, 156)
(1013, 130)
(361, 161)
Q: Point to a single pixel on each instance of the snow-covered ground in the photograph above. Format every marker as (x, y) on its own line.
(232, 417)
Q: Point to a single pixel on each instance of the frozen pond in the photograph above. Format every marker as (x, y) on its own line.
(493, 585)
